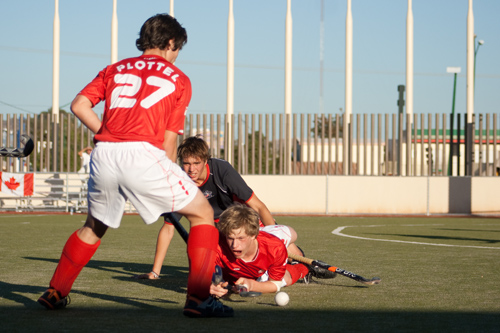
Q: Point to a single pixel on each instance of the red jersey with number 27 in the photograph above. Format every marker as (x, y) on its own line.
(271, 257)
(144, 96)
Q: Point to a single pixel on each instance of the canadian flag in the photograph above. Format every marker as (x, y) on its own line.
(20, 184)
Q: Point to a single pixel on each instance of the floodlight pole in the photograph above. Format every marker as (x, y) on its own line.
(321, 56)
(230, 85)
(346, 158)
(55, 64)
(409, 63)
(114, 34)
(469, 137)
(55, 81)
(288, 86)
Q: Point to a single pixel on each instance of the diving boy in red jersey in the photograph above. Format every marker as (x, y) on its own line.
(253, 257)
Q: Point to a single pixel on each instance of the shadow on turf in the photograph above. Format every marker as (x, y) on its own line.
(467, 230)
(257, 319)
(174, 279)
(12, 292)
(469, 239)
(266, 317)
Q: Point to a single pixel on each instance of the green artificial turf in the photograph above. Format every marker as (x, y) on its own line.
(438, 275)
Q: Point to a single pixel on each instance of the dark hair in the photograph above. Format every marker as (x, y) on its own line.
(239, 216)
(158, 30)
(194, 146)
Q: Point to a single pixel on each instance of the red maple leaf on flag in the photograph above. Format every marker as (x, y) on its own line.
(12, 184)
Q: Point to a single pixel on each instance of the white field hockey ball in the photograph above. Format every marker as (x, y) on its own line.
(281, 298)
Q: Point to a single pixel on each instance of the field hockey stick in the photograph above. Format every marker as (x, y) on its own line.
(172, 218)
(324, 265)
(27, 148)
(242, 289)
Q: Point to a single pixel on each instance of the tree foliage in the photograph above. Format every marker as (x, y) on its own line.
(74, 136)
(322, 127)
(257, 142)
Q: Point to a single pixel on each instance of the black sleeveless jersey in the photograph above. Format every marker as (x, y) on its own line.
(224, 186)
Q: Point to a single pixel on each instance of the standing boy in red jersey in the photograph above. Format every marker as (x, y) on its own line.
(145, 98)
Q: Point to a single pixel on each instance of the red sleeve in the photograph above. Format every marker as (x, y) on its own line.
(95, 91)
(175, 121)
(277, 268)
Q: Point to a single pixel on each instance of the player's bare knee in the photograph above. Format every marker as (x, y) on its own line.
(92, 230)
(288, 278)
(293, 235)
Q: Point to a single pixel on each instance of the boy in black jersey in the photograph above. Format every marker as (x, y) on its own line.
(221, 184)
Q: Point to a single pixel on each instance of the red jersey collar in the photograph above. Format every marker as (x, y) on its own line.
(153, 56)
(208, 175)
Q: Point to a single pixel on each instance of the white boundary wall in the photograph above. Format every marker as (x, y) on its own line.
(377, 195)
(308, 194)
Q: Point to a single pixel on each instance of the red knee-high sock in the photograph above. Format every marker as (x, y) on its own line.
(76, 254)
(297, 271)
(201, 249)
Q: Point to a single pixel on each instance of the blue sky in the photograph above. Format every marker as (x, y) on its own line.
(379, 48)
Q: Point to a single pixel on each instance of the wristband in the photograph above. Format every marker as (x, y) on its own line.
(278, 285)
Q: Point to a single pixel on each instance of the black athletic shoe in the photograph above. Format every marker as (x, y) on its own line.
(211, 307)
(52, 299)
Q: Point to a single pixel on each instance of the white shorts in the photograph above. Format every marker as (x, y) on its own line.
(139, 172)
(283, 233)
(280, 231)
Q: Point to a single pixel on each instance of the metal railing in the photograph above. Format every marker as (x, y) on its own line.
(53, 192)
(370, 144)
(301, 144)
